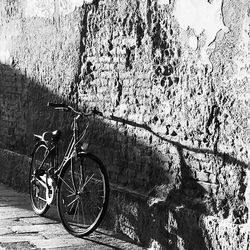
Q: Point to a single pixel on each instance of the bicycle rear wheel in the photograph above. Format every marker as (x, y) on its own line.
(83, 194)
(37, 170)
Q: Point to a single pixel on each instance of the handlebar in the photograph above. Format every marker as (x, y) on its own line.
(65, 107)
(94, 111)
(57, 105)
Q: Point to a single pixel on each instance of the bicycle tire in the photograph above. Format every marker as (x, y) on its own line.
(82, 197)
(36, 190)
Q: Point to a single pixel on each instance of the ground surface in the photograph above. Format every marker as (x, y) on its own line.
(21, 228)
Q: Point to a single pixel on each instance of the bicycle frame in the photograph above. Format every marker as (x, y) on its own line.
(73, 145)
(70, 152)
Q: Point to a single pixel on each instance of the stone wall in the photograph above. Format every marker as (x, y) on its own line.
(175, 77)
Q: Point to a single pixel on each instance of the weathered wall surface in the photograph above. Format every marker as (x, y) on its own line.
(38, 63)
(176, 72)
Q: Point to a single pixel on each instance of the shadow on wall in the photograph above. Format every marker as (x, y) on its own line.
(156, 198)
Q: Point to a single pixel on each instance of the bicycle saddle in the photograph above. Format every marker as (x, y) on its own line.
(49, 136)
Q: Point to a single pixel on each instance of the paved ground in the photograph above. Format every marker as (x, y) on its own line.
(21, 228)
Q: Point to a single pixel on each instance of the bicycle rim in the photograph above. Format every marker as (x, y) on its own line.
(36, 190)
(83, 194)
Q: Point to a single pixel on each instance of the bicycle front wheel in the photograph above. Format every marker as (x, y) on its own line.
(82, 198)
(39, 164)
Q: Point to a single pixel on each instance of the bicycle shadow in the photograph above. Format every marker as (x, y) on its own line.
(153, 198)
(177, 206)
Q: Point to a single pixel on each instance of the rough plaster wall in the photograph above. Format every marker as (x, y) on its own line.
(39, 59)
(201, 34)
(183, 86)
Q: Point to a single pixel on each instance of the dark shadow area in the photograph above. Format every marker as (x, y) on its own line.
(23, 112)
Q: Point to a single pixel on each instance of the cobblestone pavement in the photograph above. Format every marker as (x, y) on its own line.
(21, 228)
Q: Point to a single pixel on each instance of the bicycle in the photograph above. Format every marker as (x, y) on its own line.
(80, 181)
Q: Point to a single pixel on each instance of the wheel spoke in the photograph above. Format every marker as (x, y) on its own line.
(70, 195)
(75, 210)
(70, 188)
(72, 175)
(72, 202)
(81, 179)
(83, 216)
(86, 182)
